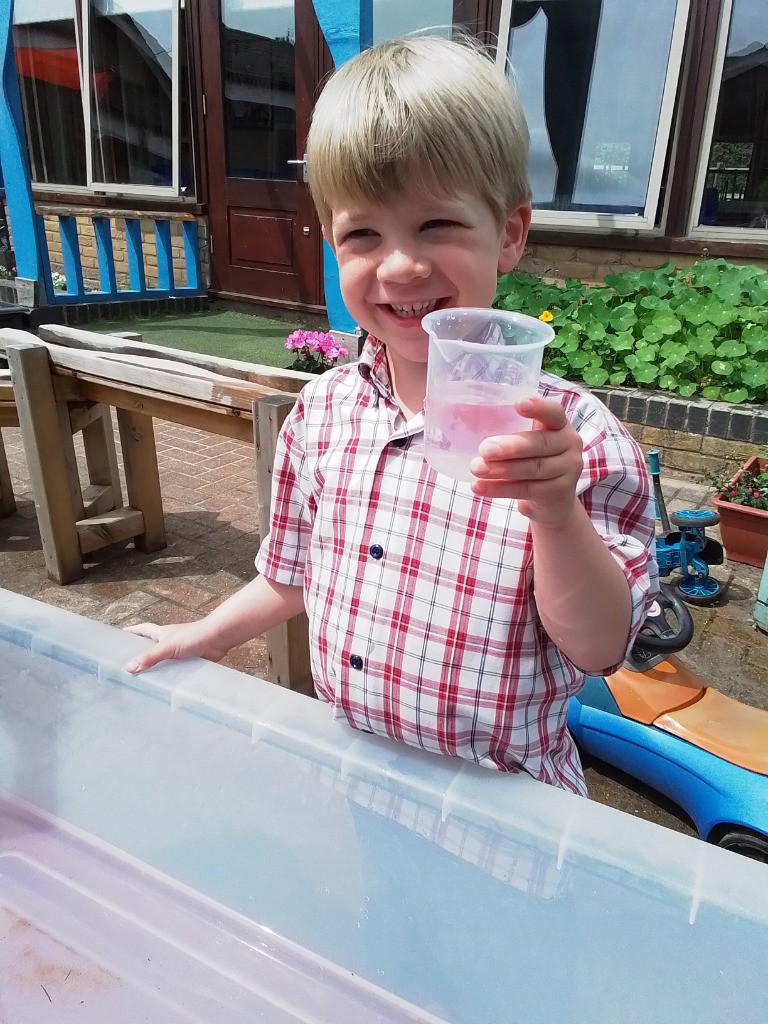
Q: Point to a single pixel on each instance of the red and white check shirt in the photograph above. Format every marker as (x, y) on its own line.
(423, 625)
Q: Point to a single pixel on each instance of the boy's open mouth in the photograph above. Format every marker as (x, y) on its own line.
(407, 311)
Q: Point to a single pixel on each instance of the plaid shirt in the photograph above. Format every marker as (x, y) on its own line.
(423, 625)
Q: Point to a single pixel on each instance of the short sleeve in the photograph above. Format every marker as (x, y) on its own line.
(615, 489)
(283, 552)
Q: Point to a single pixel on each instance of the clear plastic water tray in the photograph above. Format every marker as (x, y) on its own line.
(195, 845)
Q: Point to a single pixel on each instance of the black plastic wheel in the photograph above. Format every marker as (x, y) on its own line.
(697, 517)
(700, 591)
(748, 844)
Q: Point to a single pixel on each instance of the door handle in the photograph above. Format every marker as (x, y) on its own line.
(303, 164)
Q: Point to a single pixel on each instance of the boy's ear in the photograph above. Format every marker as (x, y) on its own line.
(514, 237)
(328, 237)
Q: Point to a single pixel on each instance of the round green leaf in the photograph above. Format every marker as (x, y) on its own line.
(739, 395)
(646, 374)
(722, 367)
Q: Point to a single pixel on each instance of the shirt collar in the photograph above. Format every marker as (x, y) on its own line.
(372, 366)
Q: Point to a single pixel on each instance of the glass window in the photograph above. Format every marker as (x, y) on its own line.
(258, 62)
(48, 67)
(393, 18)
(734, 190)
(596, 79)
(134, 129)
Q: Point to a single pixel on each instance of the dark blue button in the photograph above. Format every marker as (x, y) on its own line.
(356, 662)
(400, 442)
(377, 551)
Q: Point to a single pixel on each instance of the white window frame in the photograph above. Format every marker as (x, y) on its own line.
(640, 223)
(713, 231)
(122, 188)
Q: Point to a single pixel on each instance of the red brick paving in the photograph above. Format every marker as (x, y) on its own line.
(209, 497)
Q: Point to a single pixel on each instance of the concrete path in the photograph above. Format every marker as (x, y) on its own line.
(213, 534)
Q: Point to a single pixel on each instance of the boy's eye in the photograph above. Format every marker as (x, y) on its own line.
(438, 223)
(358, 233)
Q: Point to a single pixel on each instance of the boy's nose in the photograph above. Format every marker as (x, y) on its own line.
(403, 265)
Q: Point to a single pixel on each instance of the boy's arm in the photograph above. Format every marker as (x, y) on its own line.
(582, 593)
(254, 609)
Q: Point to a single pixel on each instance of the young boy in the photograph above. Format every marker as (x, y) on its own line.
(456, 617)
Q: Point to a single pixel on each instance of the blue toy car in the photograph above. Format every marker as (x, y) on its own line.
(654, 720)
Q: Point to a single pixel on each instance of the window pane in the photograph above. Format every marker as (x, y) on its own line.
(131, 96)
(590, 75)
(393, 18)
(49, 84)
(257, 57)
(736, 189)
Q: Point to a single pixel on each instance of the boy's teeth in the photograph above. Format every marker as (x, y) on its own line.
(415, 309)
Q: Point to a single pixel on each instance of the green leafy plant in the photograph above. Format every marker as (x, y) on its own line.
(698, 332)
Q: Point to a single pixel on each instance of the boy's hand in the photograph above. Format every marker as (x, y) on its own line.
(540, 467)
(189, 640)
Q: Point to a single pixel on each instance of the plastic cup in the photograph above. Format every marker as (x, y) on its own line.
(481, 362)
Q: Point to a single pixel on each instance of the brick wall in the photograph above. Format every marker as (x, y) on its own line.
(591, 265)
(692, 456)
(89, 259)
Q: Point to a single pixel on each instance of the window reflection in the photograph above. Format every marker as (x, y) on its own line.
(49, 85)
(394, 18)
(257, 56)
(736, 189)
(593, 106)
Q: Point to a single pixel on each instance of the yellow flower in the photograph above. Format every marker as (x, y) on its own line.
(546, 316)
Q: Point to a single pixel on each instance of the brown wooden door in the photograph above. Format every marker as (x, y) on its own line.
(260, 69)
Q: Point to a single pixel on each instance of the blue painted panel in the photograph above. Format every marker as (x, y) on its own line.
(13, 156)
(70, 252)
(135, 252)
(348, 29)
(191, 255)
(103, 231)
(164, 255)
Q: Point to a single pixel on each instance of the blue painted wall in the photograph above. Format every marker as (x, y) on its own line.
(13, 156)
(348, 29)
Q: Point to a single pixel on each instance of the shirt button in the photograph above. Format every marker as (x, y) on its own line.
(377, 551)
(356, 662)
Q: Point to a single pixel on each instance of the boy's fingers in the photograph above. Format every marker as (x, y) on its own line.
(148, 629)
(545, 411)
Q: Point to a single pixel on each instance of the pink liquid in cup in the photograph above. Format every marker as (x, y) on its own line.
(462, 414)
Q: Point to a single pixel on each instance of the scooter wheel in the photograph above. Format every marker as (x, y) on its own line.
(700, 590)
(695, 517)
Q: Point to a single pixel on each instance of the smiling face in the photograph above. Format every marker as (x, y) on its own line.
(401, 259)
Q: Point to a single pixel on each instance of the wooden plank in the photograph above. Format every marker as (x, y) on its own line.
(164, 254)
(7, 500)
(215, 419)
(169, 379)
(102, 229)
(287, 644)
(111, 528)
(191, 255)
(40, 430)
(98, 499)
(70, 254)
(9, 417)
(70, 461)
(100, 454)
(83, 413)
(291, 381)
(142, 480)
(135, 254)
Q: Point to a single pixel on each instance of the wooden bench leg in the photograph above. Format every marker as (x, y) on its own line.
(49, 452)
(287, 645)
(7, 500)
(142, 481)
(104, 492)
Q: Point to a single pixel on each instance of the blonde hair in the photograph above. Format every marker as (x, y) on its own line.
(424, 115)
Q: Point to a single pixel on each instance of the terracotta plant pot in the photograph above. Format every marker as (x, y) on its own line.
(744, 530)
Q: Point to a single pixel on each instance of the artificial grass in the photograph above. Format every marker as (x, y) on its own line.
(227, 333)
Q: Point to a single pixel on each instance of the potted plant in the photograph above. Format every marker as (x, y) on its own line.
(742, 504)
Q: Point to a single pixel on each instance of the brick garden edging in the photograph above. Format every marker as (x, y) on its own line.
(694, 437)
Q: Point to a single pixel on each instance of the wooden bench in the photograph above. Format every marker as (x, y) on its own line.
(68, 381)
(8, 418)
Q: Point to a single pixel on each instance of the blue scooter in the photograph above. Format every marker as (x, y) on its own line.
(686, 548)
